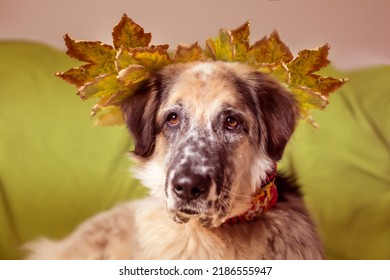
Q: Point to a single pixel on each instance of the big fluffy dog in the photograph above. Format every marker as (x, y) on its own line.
(207, 139)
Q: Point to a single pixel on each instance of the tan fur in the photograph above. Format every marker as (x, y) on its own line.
(141, 230)
(145, 229)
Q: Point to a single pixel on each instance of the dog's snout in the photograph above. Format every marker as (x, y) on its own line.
(191, 187)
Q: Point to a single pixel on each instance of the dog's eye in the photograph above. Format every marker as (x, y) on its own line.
(173, 119)
(231, 123)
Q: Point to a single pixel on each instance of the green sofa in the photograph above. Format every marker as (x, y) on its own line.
(57, 168)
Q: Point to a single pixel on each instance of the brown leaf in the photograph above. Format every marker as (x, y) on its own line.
(241, 37)
(92, 52)
(326, 85)
(128, 34)
(185, 53)
(269, 50)
(84, 74)
(310, 61)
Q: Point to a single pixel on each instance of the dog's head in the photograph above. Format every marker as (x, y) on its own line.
(206, 134)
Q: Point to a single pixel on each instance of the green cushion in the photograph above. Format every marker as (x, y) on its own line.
(56, 167)
(344, 167)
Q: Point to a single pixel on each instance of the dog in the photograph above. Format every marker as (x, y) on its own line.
(207, 139)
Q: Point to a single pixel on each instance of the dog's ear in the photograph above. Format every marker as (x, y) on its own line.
(139, 111)
(278, 112)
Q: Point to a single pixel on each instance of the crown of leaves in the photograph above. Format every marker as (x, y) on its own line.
(112, 73)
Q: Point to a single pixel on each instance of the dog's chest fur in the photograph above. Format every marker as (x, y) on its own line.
(123, 233)
(277, 234)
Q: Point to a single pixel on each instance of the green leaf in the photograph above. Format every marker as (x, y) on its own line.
(280, 72)
(308, 100)
(123, 59)
(230, 45)
(102, 86)
(222, 47)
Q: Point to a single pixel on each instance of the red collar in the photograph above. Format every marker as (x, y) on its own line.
(265, 197)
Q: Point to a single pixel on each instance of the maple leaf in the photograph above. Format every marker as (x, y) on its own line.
(152, 58)
(128, 34)
(230, 45)
(112, 73)
(273, 56)
(222, 47)
(123, 59)
(185, 53)
(102, 86)
(133, 74)
(240, 41)
(100, 58)
(269, 50)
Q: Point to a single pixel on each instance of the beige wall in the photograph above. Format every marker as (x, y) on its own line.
(358, 30)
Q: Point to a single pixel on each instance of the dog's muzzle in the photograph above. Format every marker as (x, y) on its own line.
(193, 181)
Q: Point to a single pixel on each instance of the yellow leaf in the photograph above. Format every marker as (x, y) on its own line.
(280, 72)
(123, 59)
(128, 34)
(151, 58)
(132, 74)
(102, 86)
(100, 60)
(308, 100)
(92, 52)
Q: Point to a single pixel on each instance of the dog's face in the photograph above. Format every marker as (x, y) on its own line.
(205, 136)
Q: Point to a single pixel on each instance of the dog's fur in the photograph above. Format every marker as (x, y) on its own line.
(206, 134)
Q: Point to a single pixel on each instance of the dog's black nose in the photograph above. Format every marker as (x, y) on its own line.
(191, 187)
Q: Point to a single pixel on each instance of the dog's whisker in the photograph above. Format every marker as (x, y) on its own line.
(240, 195)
